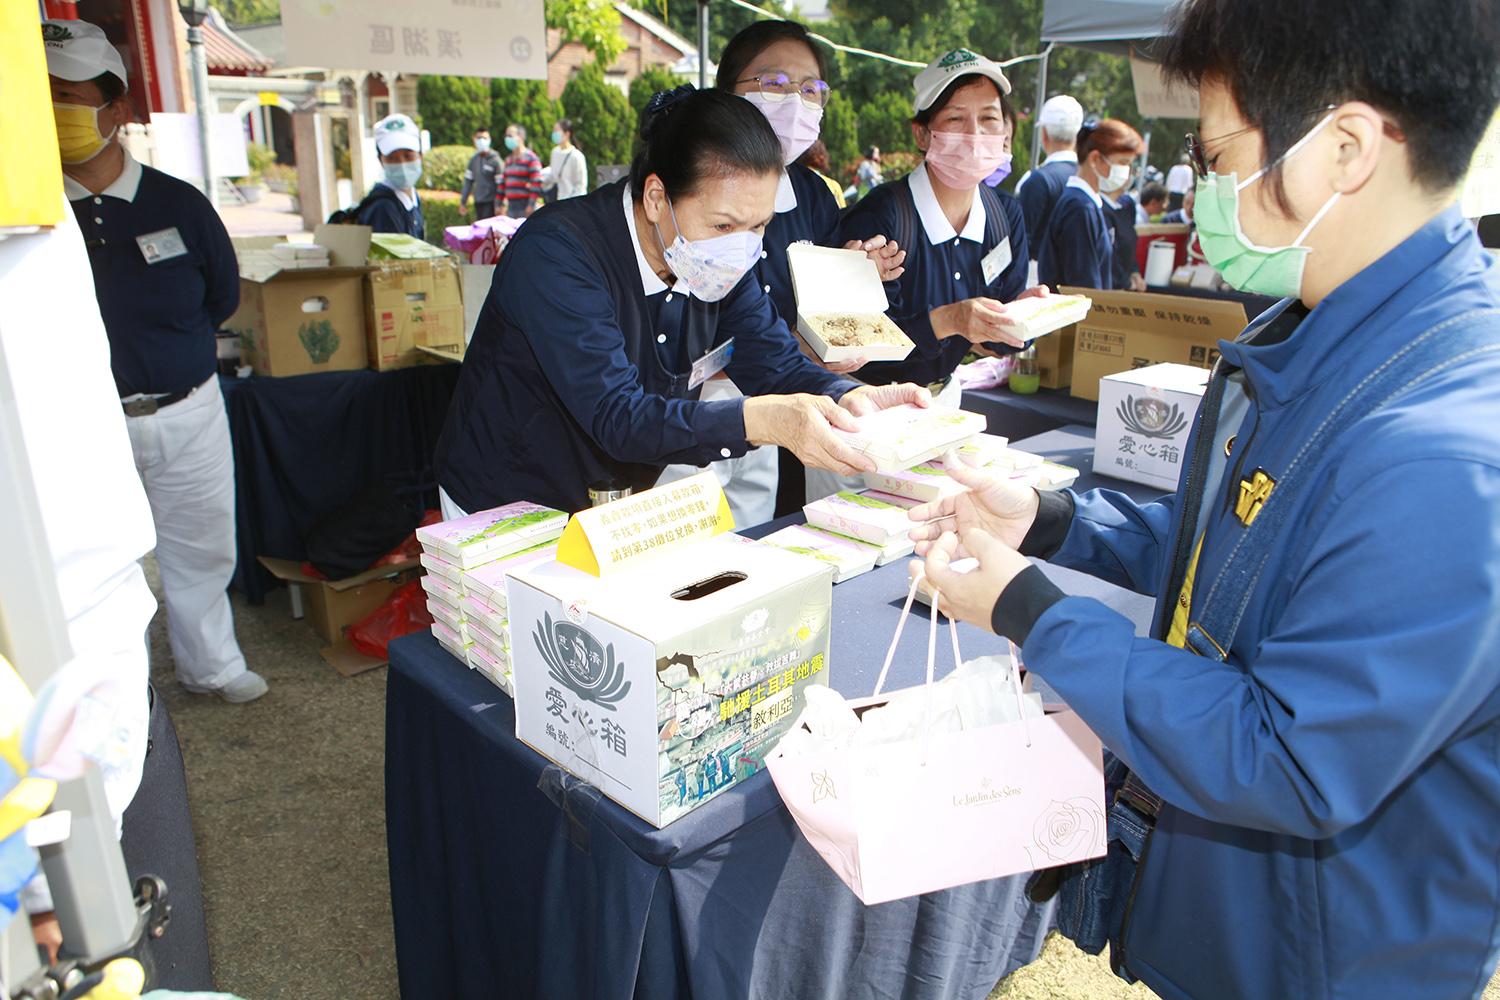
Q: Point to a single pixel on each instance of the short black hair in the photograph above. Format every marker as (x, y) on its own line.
(754, 40)
(923, 117)
(1431, 65)
(1153, 191)
(111, 87)
(694, 134)
(481, 130)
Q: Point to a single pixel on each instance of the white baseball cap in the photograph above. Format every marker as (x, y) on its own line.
(77, 50)
(1061, 112)
(395, 132)
(949, 66)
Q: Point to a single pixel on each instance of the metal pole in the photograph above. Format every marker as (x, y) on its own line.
(1041, 98)
(702, 44)
(200, 97)
(1140, 177)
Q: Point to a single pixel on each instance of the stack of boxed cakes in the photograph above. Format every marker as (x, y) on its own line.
(466, 561)
(857, 531)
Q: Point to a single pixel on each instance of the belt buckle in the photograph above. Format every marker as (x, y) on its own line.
(143, 407)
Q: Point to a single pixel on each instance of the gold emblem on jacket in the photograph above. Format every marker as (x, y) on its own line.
(1255, 489)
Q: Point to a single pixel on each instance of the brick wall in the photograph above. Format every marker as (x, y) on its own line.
(643, 49)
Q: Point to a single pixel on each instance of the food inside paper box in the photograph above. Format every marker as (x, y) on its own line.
(857, 329)
(1038, 316)
(900, 437)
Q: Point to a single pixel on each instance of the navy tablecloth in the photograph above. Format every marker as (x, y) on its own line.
(305, 445)
(1020, 415)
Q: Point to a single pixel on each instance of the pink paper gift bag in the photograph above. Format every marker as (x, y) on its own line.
(900, 819)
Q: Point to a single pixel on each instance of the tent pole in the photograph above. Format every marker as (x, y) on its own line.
(1041, 98)
(702, 44)
(1140, 176)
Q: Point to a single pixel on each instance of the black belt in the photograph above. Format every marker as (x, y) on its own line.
(147, 405)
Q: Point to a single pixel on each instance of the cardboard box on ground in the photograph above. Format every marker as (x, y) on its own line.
(331, 606)
(1128, 330)
(1144, 420)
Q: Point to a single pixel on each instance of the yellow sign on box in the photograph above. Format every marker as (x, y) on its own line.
(1481, 191)
(31, 191)
(619, 534)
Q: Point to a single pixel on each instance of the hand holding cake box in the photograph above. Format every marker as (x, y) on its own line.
(1032, 317)
(900, 437)
(841, 305)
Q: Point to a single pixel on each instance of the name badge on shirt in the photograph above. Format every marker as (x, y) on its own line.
(161, 245)
(996, 261)
(710, 364)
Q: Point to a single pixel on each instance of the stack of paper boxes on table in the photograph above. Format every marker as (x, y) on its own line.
(467, 560)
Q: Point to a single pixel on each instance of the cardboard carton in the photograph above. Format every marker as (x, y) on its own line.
(1128, 330)
(1054, 358)
(841, 281)
(300, 321)
(1144, 419)
(410, 304)
(333, 605)
(666, 681)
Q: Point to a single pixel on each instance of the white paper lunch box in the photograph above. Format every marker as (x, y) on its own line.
(829, 281)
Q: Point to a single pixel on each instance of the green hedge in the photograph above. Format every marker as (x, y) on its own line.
(439, 211)
(443, 167)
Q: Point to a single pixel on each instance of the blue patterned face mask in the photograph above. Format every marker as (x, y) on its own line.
(710, 268)
(1273, 271)
(403, 176)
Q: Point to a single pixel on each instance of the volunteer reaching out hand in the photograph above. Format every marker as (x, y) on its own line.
(971, 596)
(990, 504)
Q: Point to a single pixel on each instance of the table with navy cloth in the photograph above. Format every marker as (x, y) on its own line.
(305, 445)
(502, 888)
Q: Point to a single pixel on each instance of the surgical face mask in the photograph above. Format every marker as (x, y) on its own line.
(1000, 173)
(710, 268)
(1273, 271)
(482, 144)
(78, 137)
(403, 176)
(796, 125)
(512, 143)
(1111, 182)
(961, 159)
(557, 138)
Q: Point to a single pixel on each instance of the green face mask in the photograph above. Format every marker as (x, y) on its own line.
(1273, 271)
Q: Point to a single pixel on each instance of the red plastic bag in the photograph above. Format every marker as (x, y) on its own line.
(404, 612)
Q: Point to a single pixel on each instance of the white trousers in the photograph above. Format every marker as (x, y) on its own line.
(186, 462)
(822, 483)
(749, 481)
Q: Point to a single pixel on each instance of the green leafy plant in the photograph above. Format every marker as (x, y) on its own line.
(282, 177)
(443, 167)
(594, 24)
(453, 108)
(600, 111)
(840, 134)
(319, 339)
(439, 211)
(524, 103)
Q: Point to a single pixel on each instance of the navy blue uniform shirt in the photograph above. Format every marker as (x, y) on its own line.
(388, 215)
(1038, 196)
(160, 307)
(1077, 248)
(942, 267)
(1121, 217)
(578, 370)
(815, 220)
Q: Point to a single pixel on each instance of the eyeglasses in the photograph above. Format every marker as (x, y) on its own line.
(777, 87)
(1199, 158)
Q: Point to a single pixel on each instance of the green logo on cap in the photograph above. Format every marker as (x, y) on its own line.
(957, 58)
(55, 33)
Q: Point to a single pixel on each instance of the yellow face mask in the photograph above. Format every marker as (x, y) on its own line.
(78, 137)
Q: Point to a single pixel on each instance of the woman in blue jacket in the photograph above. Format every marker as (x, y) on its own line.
(1312, 734)
(1079, 244)
(607, 313)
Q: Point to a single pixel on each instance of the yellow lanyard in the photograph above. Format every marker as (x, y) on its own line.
(1177, 636)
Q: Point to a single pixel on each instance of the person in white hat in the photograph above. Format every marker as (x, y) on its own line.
(1060, 119)
(166, 278)
(392, 206)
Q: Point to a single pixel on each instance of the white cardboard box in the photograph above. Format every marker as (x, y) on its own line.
(827, 280)
(1144, 419)
(488, 535)
(900, 437)
(845, 556)
(1042, 316)
(860, 516)
(665, 682)
(923, 483)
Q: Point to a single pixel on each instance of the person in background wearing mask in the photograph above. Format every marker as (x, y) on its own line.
(1078, 246)
(166, 278)
(610, 310)
(569, 173)
(776, 67)
(1060, 119)
(392, 206)
(1304, 783)
(481, 177)
(523, 174)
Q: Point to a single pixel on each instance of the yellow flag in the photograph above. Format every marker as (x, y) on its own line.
(30, 170)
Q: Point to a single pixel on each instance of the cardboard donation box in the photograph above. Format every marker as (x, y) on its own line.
(333, 605)
(1144, 419)
(1128, 330)
(663, 670)
(841, 305)
(412, 304)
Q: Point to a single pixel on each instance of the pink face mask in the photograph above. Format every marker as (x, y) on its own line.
(961, 160)
(796, 125)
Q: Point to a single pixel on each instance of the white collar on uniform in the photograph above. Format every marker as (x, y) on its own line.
(934, 222)
(650, 283)
(408, 198)
(1082, 185)
(786, 197)
(124, 186)
(1062, 156)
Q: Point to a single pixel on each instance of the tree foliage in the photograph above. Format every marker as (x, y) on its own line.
(443, 167)
(524, 103)
(602, 125)
(840, 133)
(594, 24)
(244, 13)
(453, 108)
(652, 80)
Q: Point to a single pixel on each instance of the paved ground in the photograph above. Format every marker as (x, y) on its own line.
(271, 216)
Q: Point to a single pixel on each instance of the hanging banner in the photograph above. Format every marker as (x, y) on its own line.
(31, 191)
(1155, 98)
(492, 38)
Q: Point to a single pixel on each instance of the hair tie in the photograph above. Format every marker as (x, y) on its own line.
(662, 102)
